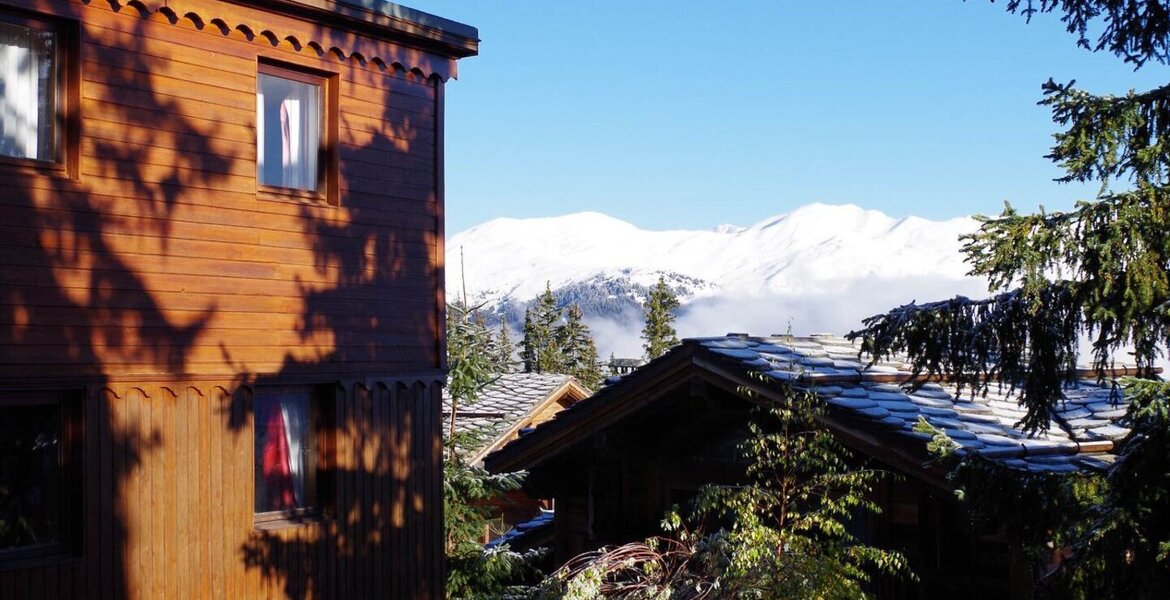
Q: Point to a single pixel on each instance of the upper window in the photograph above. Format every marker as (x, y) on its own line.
(291, 430)
(29, 82)
(289, 123)
(38, 495)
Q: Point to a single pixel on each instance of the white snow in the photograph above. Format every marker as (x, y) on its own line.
(817, 249)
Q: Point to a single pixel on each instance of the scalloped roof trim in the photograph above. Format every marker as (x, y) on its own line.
(276, 30)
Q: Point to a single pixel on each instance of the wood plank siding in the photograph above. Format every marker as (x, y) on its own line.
(150, 281)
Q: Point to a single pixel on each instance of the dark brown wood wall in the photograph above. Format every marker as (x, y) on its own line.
(152, 274)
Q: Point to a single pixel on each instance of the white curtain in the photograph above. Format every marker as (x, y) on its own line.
(295, 411)
(288, 132)
(261, 148)
(25, 75)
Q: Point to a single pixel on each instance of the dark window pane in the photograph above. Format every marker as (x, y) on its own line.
(30, 475)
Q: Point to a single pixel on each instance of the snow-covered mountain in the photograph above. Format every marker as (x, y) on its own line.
(819, 267)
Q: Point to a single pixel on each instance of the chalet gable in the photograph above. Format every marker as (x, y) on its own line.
(513, 403)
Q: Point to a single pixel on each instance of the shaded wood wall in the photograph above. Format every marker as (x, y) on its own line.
(151, 274)
(169, 496)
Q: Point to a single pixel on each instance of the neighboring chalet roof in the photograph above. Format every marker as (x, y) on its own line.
(421, 43)
(534, 533)
(868, 407)
(512, 403)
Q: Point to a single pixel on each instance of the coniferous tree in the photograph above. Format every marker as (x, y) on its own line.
(505, 350)
(659, 329)
(468, 489)
(1101, 270)
(469, 361)
(558, 341)
(528, 343)
(578, 350)
(541, 350)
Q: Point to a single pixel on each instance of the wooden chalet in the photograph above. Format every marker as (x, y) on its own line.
(222, 298)
(617, 461)
(513, 403)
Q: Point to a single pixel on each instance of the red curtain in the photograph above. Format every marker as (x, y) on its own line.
(275, 462)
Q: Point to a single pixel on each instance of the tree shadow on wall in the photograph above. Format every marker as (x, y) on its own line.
(106, 275)
(382, 527)
(80, 307)
(380, 534)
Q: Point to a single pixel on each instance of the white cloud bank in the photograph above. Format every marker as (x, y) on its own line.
(836, 312)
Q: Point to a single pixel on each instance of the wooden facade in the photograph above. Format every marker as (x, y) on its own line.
(154, 288)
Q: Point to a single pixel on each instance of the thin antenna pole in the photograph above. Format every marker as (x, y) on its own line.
(463, 277)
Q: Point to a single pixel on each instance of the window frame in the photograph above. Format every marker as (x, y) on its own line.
(328, 167)
(322, 412)
(70, 467)
(67, 101)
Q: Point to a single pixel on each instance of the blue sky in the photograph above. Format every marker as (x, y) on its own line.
(677, 114)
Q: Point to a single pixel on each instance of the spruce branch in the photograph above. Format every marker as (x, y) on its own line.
(1135, 30)
(1110, 137)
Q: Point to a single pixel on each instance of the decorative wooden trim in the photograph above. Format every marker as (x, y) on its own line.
(172, 380)
(286, 26)
(426, 30)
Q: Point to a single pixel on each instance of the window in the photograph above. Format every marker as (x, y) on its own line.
(29, 89)
(292, 435)
(292, 130)
(39, 492)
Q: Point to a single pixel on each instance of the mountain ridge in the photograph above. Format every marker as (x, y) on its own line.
(794, 260)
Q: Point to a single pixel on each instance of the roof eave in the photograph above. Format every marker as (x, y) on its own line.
(386, 20)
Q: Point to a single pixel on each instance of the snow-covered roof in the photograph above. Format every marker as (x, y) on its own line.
(505, 406)
(520, 531)
(1080, 431)
(875, 399)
